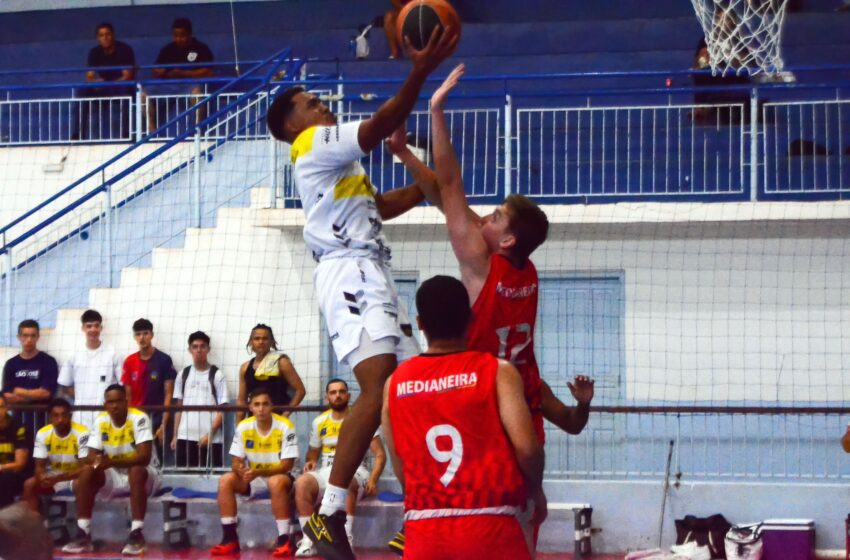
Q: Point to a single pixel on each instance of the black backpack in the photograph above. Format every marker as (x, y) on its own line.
(705, 531)
(211, 375)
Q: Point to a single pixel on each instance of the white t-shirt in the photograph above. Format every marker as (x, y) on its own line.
(337, 196)
(193, 425)
(90, 372)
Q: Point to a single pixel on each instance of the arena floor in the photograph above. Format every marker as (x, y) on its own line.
(256, 554)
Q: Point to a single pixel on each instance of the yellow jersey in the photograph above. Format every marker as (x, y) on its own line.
(62, 453)
(265, 451)
(119, 442)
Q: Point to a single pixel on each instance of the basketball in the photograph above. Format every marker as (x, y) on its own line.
(418, 19)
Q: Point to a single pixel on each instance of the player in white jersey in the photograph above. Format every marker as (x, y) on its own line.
(324, 437)
(353, 284)
(263, 452)
(90, 370)
(58, 448)
(119, 458)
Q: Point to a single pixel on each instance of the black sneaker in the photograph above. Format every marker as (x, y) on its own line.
(396, 544)
(328, 533)
(81, 543)
(135, 544)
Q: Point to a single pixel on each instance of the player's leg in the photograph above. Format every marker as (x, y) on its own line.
(137, 479)
(280, 486)
(31, 494)
(229, 485)
(308, 491)
(88, 484)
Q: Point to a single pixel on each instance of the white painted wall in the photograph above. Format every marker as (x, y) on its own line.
(719, 308)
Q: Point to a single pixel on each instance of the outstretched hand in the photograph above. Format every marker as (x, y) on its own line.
(441, 44)
(397, 142)
(438, 99)
(582, 389)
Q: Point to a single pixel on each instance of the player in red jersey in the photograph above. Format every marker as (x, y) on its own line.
(493, 253)
(460, 438)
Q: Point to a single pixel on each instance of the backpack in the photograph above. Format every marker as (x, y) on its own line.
(743, 542)
(211, 375)
(705, 531)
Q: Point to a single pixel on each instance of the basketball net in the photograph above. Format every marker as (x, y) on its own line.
(742, 35)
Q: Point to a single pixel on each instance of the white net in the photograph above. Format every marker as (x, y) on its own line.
(742, 35)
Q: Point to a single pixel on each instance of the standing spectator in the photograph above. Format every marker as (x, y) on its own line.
(91, 370)
(30, 377)
(197, 435)
(269, 370)
(58, 449)
(149, 377)
(108, 52)
(14, 455)
(183, 49)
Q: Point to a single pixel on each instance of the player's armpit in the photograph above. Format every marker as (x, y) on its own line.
(516, 419)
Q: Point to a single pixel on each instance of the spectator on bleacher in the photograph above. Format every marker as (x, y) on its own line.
(59, 446)
(149, 377)
(108, 52)
(271, 370)
(90, 370)
(14, 455)
(323, 439)
(263, 452)
(197, 435)
(30, 377)
(184, 49)
(119, 461)
(390, 19)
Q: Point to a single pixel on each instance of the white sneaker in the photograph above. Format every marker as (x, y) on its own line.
(306, 548)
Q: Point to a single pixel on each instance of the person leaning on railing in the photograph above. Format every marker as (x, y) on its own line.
(30, 377)
(197, 437)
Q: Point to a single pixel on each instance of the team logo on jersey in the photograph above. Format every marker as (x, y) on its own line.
(518, 292)
(249, 444)
(193, 56)
(104, 436)
(84, 439)
(440, 385)
(323, 432)
(290, 438)
(142, 421)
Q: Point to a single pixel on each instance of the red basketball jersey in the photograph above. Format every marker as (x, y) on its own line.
(503, 319)
(447, 432)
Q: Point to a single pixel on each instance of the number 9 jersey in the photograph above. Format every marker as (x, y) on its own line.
(447, 431)
(503, 319)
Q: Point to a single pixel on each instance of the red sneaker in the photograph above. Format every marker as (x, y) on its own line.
(225, 549)
(284, 551)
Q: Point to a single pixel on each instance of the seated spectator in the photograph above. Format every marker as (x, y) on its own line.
(90, 371)
(323, 439)
(263, 452)
(270, 370)
(149, 377)
(183, 49)
(57, 452)
(14, 455)
(197, 435)
(108, 52)
(118, 462)
(30, 377)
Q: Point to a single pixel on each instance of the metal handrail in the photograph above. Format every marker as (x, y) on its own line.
(280, 56)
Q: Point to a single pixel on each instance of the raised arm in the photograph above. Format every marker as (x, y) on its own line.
(463, 224)
(571, 419)
(395, 110)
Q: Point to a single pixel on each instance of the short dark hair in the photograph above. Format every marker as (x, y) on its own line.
(265, 327)
(442, 304)
(58, 402)
(528, 223)
(103, 24)
(199, 335)
(182, 23)
(279, 111)
(257, 392)
(91, 316)
(28, 324)
(116, 387)
(335, 380)
(142, 325)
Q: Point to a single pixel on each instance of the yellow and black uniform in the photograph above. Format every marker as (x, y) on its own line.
(13, 437)
(62, 453)
(264, 451)
(325, 435)
(119, 443)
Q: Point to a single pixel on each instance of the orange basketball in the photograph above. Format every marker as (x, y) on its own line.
(418, 19)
